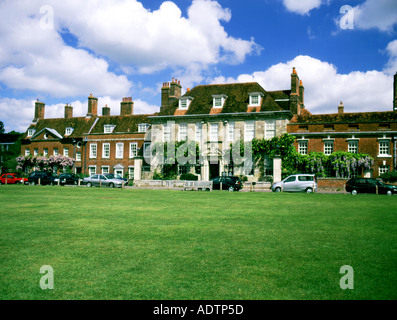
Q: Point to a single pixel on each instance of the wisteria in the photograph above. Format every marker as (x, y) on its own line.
(51, 163)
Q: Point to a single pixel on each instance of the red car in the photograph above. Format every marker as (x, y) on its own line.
(12, 178)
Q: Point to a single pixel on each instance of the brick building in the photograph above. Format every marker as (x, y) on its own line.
(372, 133)
(97, 143)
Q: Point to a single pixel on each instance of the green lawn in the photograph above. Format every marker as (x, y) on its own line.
(162, 244)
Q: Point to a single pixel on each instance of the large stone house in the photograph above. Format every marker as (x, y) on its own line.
(218, 116)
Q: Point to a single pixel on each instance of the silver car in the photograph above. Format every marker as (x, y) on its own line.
(297, 183)
(104, 180)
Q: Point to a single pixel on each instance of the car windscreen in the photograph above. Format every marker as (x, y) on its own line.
(306, 178)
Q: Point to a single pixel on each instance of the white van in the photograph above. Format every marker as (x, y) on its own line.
(297, 183)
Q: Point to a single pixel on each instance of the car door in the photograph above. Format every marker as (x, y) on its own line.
(370, 186)
(94, 180)
(289, 184)
(216, 183)
(103, 181)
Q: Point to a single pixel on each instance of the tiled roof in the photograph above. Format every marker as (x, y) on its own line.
(237, 99)
(122, 123)
(358, 117)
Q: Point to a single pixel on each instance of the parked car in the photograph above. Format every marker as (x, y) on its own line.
(45, 179)
(12, 178)
(228, 183)
(70, 178)
(105, 180)
(297, 183)
(369, 185)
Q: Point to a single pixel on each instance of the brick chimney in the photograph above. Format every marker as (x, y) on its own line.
(127, 107)
(341, 108)
(170, 91)
(39, 109)
(92, 106)
(106, 111)
(68, 112)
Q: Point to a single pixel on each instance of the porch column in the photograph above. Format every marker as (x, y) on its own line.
(276, 169)
(137, 169)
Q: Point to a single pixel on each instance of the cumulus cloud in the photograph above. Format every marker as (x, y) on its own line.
(325, 87)
(379, 14)
(301, 6)
(35, 58)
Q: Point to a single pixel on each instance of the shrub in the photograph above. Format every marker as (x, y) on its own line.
(389, 176)
(188, 176)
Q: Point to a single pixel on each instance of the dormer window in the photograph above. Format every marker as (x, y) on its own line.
(255, 99)
(68, 131)
(108, 128)
(31, 132)
(219, 100)
(143, 127)
(184, 102)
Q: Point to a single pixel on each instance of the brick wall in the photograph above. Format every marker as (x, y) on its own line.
(331, 184)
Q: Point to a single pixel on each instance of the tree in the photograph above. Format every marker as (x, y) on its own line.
(1, 127)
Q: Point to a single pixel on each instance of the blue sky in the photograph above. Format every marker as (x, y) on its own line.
(62, 52)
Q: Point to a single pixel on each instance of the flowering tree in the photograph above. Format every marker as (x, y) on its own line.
(43, 163)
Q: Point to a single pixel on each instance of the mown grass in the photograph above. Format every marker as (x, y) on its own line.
(161, 244)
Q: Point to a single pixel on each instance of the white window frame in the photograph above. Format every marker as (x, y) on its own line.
(133, 149)
(45, 152)
(270, 129)
(36, 151)
(131, 172)
(184, 103)
(230, 131)
(255, 96)
(182, 134)
(147, 150)
(31, 132)
(352, 146)
(105, 150)
(383, 169)
(68, 131)
(167, 129)
(93, 150)
(108, 128)
(249, 130)
(55, 151)
(384, 147)
(119, 150)
(105, 169)
(143, 127)
(78, 156)
(91, 170)
(66, 152)
(303, 146)
(199, 131)
(328, 147)
(214, 132)
(218, 98)
(27, 152)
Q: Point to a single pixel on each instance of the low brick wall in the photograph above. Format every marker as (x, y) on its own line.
(331, 184)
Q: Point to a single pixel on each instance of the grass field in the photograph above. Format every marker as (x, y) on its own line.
(162, 244)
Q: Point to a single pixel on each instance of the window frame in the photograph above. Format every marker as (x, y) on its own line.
(105, 150)
(93, 150)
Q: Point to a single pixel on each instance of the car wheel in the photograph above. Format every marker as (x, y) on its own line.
(389, 193)
(32, 183)
(309, 190)
(231, 189)
(278, 189)
(111, 185)
(89, 184)
(354, 192)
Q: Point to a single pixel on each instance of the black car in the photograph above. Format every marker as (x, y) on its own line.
(45, 178)
(369, 185)
(228, 183)
(70, 178)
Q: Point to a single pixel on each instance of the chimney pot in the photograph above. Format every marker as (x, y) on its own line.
(341, 108)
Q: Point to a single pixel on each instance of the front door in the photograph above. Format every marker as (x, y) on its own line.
(214, 170)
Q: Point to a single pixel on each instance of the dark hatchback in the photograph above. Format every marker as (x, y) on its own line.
(228, 183)
(70, 178)
(369, 185)
(45, 178)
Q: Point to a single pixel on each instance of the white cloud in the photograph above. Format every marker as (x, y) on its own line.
(325, 87)
(301, 6)
(391, 50)
(130, 34)
(34, 58)
(380, 14)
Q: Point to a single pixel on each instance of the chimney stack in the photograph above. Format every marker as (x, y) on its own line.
(92, 106)
(170, 91)
(106, 111)
(127, 107)
(39, 109)
(68, 112)
(341, 108)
